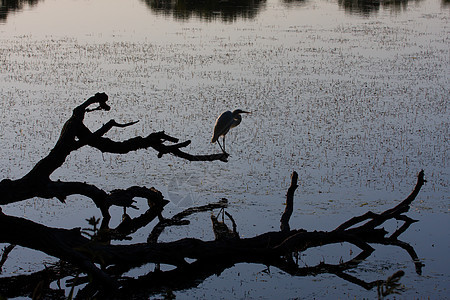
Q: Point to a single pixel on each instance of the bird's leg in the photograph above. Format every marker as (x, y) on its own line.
(224, 144)
(220, 146)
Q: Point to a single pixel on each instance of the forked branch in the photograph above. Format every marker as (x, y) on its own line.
(270, 248)
(192, 259)
(75, 135)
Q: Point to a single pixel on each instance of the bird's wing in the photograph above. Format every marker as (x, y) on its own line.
(223, 124)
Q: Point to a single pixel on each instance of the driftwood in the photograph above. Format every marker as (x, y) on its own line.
(74, 135)
(94, 258)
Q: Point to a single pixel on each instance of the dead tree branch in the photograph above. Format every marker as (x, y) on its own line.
(271, 248)
(6, 251)
(192, 259)
(74, 135)
(289, 203)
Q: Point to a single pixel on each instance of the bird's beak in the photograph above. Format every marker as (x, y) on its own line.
(246, 112)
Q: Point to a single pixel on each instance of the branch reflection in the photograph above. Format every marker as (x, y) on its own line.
(189, 276)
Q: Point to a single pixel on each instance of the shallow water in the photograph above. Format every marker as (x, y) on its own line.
(352, 97)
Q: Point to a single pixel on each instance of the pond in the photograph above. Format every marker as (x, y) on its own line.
(353, 95)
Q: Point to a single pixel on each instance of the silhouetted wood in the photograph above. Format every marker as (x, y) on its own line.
(221, 230)
(269, 248)
(6, 251)
(178, 219)
(378, 219)
(289, 203)
(74, 135)
(102, 264)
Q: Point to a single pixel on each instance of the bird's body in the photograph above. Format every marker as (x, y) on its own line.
(224, 123)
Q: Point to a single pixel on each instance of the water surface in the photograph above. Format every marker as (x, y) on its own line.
(352, 96)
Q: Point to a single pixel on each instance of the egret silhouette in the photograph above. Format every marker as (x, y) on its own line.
(224, 123)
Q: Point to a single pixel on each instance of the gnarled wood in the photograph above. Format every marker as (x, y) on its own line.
(271, 248)
(289, 203)
(75, 135)
(105, 263)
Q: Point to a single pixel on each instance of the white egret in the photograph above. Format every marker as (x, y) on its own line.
(224, 123)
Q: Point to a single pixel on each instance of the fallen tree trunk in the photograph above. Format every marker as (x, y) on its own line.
(271, 248)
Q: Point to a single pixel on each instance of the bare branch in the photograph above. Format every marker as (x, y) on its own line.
(378, 219)
(177, 220)
(289, 203)
(74, 135)
(270, 248)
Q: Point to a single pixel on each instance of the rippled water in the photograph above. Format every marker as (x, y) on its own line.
(354, 97)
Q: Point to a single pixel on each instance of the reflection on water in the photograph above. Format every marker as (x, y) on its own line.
(208, 10)
(356, 105)
(229, 10)
(8, 6)
(367, 7)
